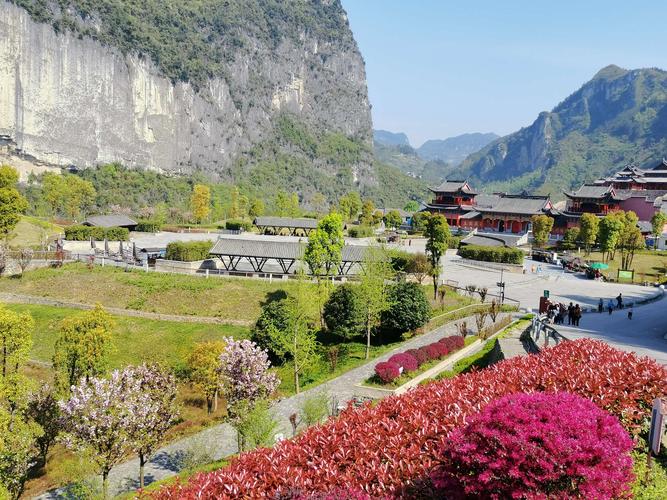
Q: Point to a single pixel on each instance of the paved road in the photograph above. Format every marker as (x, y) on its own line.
(220, 441)
(528, 288)
(644, 334)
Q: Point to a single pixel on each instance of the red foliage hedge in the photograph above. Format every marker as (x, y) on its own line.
(453, 342)
(433, 351)
(537, 446)
(387, 371)
(419, 355)
(405, 360)
(389, 448)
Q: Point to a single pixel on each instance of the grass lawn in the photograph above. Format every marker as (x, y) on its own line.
(31, 231)
(648, 265)
(135, 339)
(228, 298)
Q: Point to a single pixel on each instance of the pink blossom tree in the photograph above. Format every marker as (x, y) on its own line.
(244, 371)
(96, 418)
(152, 404)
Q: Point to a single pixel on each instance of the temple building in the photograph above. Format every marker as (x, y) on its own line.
(632, 188)
(504, 213)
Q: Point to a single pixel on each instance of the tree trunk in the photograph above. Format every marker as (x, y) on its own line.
(142, 463)
(368, 337)
(215, 400)
(209, 405)
(296, 379)
(105, 484)
(435, 287)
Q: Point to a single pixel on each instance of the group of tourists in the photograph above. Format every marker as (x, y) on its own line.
(610, 305)
(556, 314)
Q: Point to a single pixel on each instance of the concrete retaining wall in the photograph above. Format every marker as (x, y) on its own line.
(177, 266)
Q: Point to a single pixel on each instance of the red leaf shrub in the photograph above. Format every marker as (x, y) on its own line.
(405, 360)
(419, 355)
(390, 447)
(441, 348)
(428, 354)
(433, 351)
(387, 371)
(537, 446)
(453, 343)
(335, 494)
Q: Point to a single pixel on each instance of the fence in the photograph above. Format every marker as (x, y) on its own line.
(541, 329)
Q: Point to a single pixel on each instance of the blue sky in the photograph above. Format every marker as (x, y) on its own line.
(441, 68)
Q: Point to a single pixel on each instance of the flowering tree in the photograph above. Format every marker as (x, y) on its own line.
(244, 371)
(96, 418)
(152, 404)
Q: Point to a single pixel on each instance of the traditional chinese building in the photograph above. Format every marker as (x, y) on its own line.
(632, 188)
(499, 212)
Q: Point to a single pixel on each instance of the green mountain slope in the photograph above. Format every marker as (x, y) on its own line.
(617, 117)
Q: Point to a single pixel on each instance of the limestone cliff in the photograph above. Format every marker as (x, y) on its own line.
(69, 97)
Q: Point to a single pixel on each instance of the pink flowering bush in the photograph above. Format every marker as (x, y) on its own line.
(387, 371)
(405, 360)
(244, 371)
(538, 445)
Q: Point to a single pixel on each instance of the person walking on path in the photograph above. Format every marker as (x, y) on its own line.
(630, 312)
(600, 305)
(577, 315)
(610, 306)
(619, 301)
(570, 313)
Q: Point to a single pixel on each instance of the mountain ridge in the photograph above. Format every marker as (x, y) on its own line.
(617, 117)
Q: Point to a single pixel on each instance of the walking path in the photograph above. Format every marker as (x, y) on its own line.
(644, 334)
(15, 298)
(220, 441)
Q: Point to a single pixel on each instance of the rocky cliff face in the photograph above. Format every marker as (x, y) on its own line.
(66, 98)
(619, 116)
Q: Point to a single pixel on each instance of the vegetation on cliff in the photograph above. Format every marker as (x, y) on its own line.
(618, 117)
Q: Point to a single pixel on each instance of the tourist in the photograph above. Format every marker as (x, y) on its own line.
(619, 301)
(610, 306)
(600, 305)
(570, 313)
(576, 315)
(630, 312)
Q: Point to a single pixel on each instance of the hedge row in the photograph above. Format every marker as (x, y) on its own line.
(149, 226)
(238, 225)
(410, 360)
(492, 254)
(188, 251)
(390, 449)
(84, 233)
(360, 231)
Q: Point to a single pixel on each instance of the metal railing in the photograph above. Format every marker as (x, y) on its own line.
(541, 330)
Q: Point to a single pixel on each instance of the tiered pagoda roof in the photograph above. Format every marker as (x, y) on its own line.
(453, 187)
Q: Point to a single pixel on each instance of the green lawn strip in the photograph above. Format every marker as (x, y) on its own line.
(135, 339)
(321, 373)
(152, 292)
(374, 380)
(650, 484)
(648, 265)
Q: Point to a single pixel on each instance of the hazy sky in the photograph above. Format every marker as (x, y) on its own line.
(441, 68)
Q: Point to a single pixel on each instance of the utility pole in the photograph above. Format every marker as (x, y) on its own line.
(501, 286)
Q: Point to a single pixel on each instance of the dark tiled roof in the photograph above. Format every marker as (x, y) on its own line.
(591, 191)
(299, 223)
(276, 249)
(109, 221)
(516, 204)
(453, 187)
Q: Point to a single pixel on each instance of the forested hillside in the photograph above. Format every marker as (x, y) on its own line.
(619, 116)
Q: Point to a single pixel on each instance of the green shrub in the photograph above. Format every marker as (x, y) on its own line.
(453, 242)
(149, 226)
(117, 233)
(83, 233)
(409, 310)
(238, 225)
(188, 251)
(360, 231)
(343, 312)
(492, 254)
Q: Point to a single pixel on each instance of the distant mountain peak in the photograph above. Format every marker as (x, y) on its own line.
(617, 116)
(455, 149)
(387, 138)
(610, 72)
